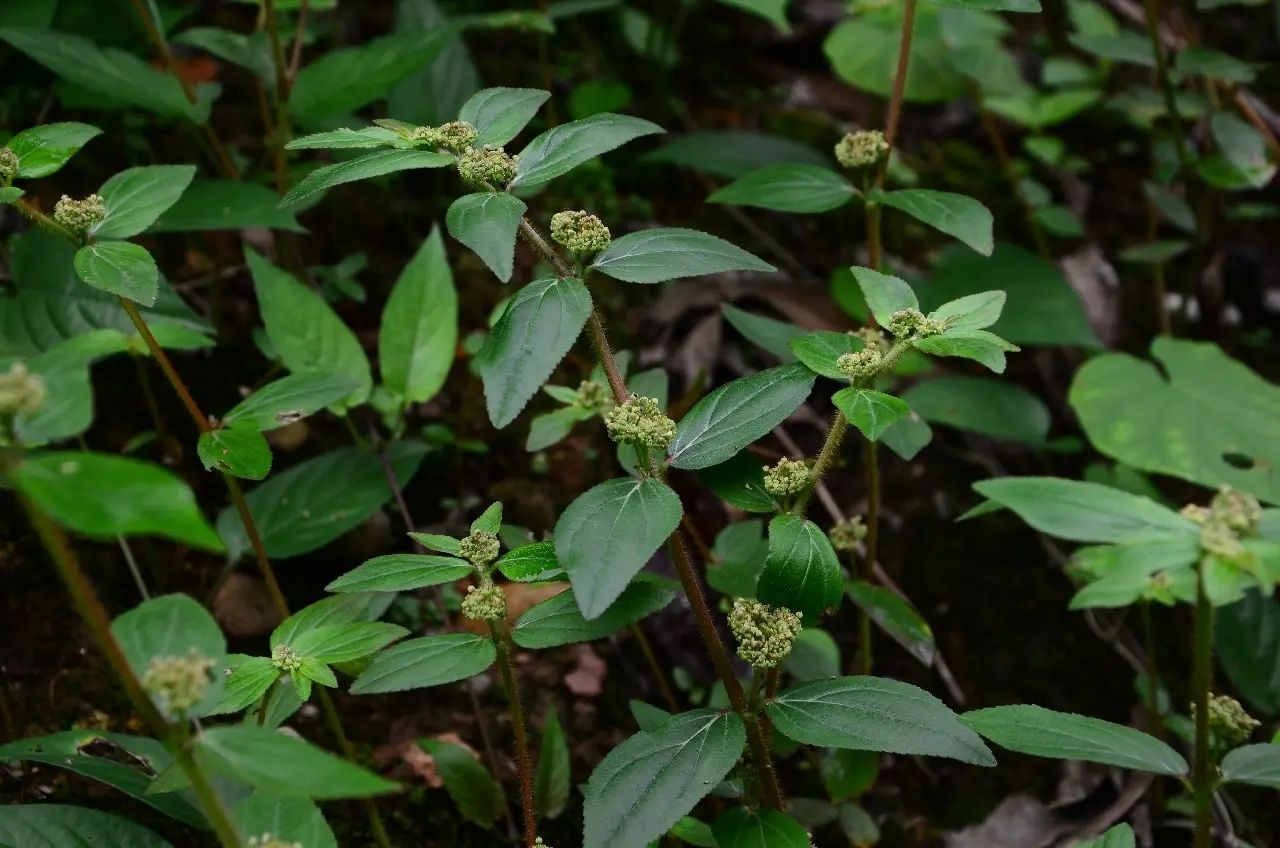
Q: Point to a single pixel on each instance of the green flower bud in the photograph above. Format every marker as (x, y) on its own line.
(266, 840)
(904, 322)
(480, 548)
(481, 166)
(860, 364)
(765, 634)
(640, 421)
(21, 392)
(580, 231)
(1229, 723)
(788, 477)
(457, 136)
(178, 683)
(1238, 510)
(431, 136)
(8, 164)
(79, 215)
(861, 149)
(847, 535)
(286, 659)
(485, 602)
(591, 395)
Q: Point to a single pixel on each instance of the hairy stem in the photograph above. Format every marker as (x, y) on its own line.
(518, 728)
(95, 616)
(1203, 775)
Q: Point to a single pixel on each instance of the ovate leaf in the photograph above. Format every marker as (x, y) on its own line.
(420, 325)
(137, 197)
(121, 268)
(1258, 765)
(173, 627)
(669, 253)
(424, 662)
(762, 828)
(787, 188)
(476, 794)
(240, 452)
(284, 764)
(884, 293)
(225, 205)
(870, 411)
(801, 571)
(402, 573)
(561, 149)
(33, 825)
(287, 819)
(44, 149)
(375, 164)
(287, 400)
(558, 621)
(498, 114)
(554, 779)
(487, 222)
(896, 617)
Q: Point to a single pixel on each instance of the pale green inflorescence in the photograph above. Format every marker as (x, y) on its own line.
(481, 166)
(641, 421)
(178, 683)
(905, 322)
(8, 164)
(480, 548)
(848, 534)
(456, 135)
(1230, 515)
(79, 215)
(860, 364)
(486, 602)
(580, 231)
(267, 840)
(1228, 720)
(285, 659)
(591, 395)
(788, 477)
(872, 337)
(861, 149)
(765, 634)
(21, 392)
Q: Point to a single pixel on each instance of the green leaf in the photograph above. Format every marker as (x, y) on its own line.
(885, 294)
(733, 153)
(801, 571)
(123, 762)
(487, 222)
(981, 405)
(739, 481)
(489, 521)
(287, 819)
(1084, 512)
(345, 138)
(286, 765)
(971, 312)
(954, 214)
(821, 349)
(69, 411)
(540, 324)
(9, 194)
(788, 188)
(875, 714)
(896, 617)
(340, 609)
(532, 563)
(669, 253)
(554, 779)
(369, 165)
(240, 452)
(433, 94)
(863, 50)
(23, 825)
(676, 764)
(225, 205)
(476, 794)
(106, 496)
(168, 627)
(1248, 646)
(343, 80)
(420, 325)
(561, 149)
(44, 149)
(870, 411)
(1027, 6)
(1127, 47)
(762, 828)
(1215, 65)
(498, 114)
(401, 573)
(607, 535)
(772, 335)
(287, 400)
(137, 197)
(848, 774)
(248, 682)
(737, 413)
(118, 76)
(1065, 736)
(1257, 765)
(424, 662)
(251, 52)
(1175, 424)
(305, 332)
(342, 643)
(1120, 836)
(978, 345)
(438, 542)
(557, 621)
(300, 510)
(692, 832)
(814, 656)
(121, 268)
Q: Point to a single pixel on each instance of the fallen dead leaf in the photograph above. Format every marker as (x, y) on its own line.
(587, 678)
(243, 607)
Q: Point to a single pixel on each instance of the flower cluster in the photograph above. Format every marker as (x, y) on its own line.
(846, 535)
(861, 149)
(8, 164)
(485, 602)
(21, 392)
(487, 166)
(1228, 721)
(904, 322)
(178, 683)
(860, 365)
(580, 231)
(79, 215)
(591, 395)
(267, 840)
(765, 634)
(1230, 515)
(788, 477)
(455, 136)
(872, 337)
(480, 548)
(285, 659)
(640, 421)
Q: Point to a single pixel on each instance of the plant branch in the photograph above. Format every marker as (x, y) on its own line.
(1203, 775)
(512, 693)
